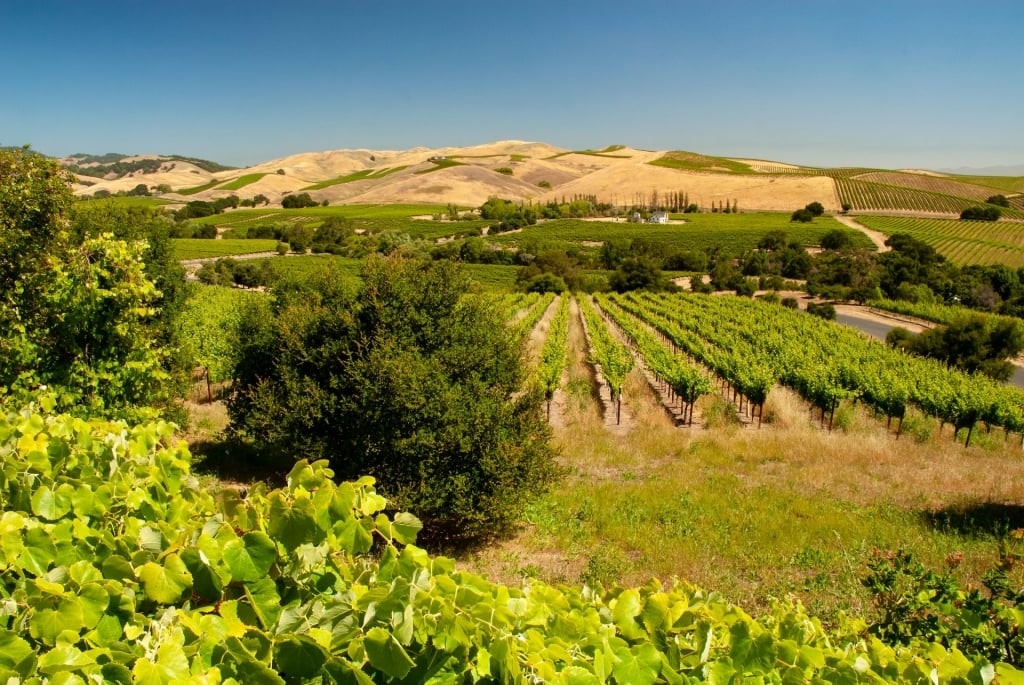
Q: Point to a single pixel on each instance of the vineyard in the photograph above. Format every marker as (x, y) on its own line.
(929, 183)
(962, 242)
(932, 311)
(751, 346)
(864, 195)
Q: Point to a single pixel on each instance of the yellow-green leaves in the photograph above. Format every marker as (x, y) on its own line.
(165, 583)
(386, 654)
(250, 557)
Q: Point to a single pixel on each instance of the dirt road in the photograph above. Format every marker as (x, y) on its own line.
(877, 237)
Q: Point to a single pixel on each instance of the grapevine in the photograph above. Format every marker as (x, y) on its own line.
(119, 565)
(613, 358)
(684, 380)
(553, 354)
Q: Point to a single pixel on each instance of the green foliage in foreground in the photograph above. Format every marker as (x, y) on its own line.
(118, 565)
(78, 313)
(917, 602)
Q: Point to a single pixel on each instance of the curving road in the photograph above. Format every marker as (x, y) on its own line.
(877, 237)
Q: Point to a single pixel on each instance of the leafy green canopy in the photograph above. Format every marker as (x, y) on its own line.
(78, 312)
(117, 565)
(406, 379)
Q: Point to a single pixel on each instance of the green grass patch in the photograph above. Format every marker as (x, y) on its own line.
(241, 182)
(198, 189)
(691, 161)
(734, 233)
(270, 215)
(754, 516)
(441, 164)
(127, 201)
(493, 277)
(361, 175)
(198, 248)
(595, 153)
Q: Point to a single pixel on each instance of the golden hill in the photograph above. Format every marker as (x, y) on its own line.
(530, 171)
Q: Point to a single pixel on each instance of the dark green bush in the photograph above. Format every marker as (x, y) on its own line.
(404, 379)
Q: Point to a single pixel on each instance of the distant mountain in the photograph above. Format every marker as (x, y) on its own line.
(1014, 170)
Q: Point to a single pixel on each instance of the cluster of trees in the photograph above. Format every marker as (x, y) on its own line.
(507, 215)
(666, 201)
(187, 230)
(197, 209)
(973, 343)
(981, 213)
(808, 213)
(914, 271)
(244, 273)
(300, 201)
(118, 165)
(259, 199)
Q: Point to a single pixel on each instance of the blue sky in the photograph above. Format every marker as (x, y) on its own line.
(890, 84)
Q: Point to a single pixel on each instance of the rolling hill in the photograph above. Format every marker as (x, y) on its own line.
(540, 172)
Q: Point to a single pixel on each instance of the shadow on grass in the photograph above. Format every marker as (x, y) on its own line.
(985, 519)
(239, 463)
(235, 461)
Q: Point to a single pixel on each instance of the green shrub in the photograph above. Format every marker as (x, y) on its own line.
(824, 310)
(404, 379)
(802, 215)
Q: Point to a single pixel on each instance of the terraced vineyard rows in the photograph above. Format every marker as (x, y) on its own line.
(535, 309)
(936, 313)
(751, 381)
(823, 362)
(933, 184)
(867, 195)
(962, 242)
(685, 381)
(553, 355)
(614, 359)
